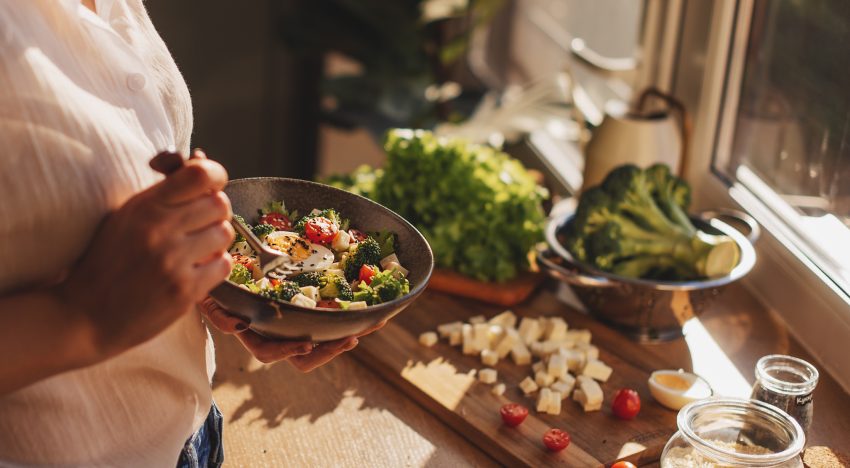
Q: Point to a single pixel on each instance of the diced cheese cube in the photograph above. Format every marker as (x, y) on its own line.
(489, 357)
(557, 365)
(481, 333)
(487, 375)
(498, 389)
(536, 349)
(494, 334)
(477, 319)
(302, 300)
(563, 387)
(550, 347)
(357, 305)
(341, 241)
(592, 392)
(579, 336)
(468, 340)
(397, 270)
(598, 370)
(543, 379)
(590, 352)
(446, 329)
(556, 329)
(456, 337)
(529, 330)
(538, 366)
(310, 291)
(554, 406)
(428, 339)
(575, 359)
(543, 400)
(520, 354)
(506, 343)
(528, 386)
(506, 319)
(391, 258)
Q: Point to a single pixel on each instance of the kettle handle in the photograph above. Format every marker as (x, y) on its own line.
(684, 120)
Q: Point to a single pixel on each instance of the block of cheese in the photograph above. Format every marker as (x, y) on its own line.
(543, 379)
(481, 335)
(556, 329)
(590, 352)
(529, 330)
(536, 349)
(543, 400)
(488, 375)
(575, 359)
(477, 319)
(468, 340)
(554, 406)
(456, 337)
(498, 389)
(557, 365)
(506, 342)
(494, 334)
(428, 339)
(563, 387)
(538, 366)
(445, 330)
(579, 336)
(528, 386)
(310, 291)
(520, 354)
(489, 357)
(591, 393)
(506, 319)
(303, 301)
(597, 369)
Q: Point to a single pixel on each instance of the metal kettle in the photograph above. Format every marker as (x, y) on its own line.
(641, 137)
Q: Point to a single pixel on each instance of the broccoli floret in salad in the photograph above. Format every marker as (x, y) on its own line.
(310, 278)
(336, 287)
(283, 291)
(367, 252)
(262, 230)
(239, 274)
(329, 214)
(384, 288)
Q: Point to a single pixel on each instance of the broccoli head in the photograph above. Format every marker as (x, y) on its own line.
(384, 288)
(635, 224)
(283, 291)
(335, 287)
(239, 274)
(262, 230)
(367, 252)
(310, 278)
(329, 214)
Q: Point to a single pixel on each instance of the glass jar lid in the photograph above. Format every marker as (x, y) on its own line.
(786, 374)
(741, 432)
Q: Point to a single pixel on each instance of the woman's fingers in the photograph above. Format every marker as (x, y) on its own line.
(210, 274)
(372, 329)
(206, 243)
(197, 177)
(220, 318)
(323, 353)
(203, 211)
(267, 351)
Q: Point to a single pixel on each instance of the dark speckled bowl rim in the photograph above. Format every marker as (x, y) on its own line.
(415, 291)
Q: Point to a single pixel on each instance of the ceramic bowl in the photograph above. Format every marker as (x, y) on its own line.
(285, 320)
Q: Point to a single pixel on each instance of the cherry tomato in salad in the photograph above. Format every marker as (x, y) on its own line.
(556, 440)
(320, 230)
(328, 304)
(626, 404)
(623, 464)
(280, 221)
(513, 414)
(244, 261)
(357, 235)
(366, 273)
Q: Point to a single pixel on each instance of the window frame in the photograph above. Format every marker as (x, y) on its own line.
(815, 309)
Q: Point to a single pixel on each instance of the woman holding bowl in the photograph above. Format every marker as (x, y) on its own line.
(105, 264)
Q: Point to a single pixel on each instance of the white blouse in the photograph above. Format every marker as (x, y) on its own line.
(85, 101)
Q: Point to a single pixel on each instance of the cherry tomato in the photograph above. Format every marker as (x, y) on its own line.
(623, 464)
(513, 414)
(626, 404)
(274, 281)
(280, 221)
(556, 440)
(357, 235)
(328, 304)
(320, 230)
(366, 273)
(244, 261)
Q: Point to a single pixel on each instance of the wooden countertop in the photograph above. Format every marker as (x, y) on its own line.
(343, 414)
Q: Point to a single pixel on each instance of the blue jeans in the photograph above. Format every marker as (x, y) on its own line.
(204, 448)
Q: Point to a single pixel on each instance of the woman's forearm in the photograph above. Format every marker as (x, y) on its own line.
(41, 337)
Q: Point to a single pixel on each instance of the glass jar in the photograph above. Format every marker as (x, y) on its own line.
(787, 383)
(728, 432)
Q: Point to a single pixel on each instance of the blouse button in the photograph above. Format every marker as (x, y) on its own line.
(136, 81)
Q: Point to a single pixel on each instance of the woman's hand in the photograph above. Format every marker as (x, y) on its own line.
(301, 354)
(154, 258)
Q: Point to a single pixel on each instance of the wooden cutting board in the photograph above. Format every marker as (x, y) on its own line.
(439, 379)
(507, 294)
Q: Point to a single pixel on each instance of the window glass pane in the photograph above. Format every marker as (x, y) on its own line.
(792, 132)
